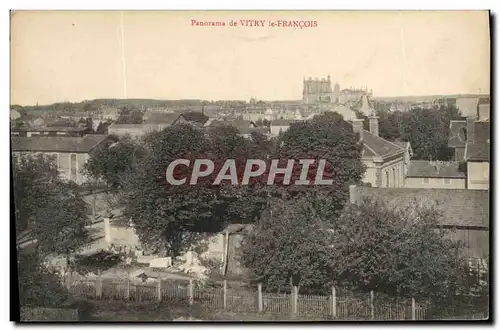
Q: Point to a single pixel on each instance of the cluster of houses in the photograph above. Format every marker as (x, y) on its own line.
(460, 187)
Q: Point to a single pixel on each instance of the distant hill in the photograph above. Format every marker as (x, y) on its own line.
(429, 98)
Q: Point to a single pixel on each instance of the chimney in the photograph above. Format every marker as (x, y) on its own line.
(470, 129)
(373, 122)
(357, 127)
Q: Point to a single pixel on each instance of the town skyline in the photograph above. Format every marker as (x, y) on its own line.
(159, 55)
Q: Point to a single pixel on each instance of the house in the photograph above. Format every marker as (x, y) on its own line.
(483, 109)
(457, 138)
(14, 114)
(278, 126)
(477, 154)
(244, 127)
(108, 113)
(49, 131)
(134, 130)
(160, 121)
(467, 106)
(70, 153)
(435, 174)
(408, 152)
(384, 160)
(466, 212)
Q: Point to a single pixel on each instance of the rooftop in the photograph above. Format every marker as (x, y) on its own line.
(375, 146)
(57, 144)
(162, 118)
(281, 122)
(50, 129)
(459, 207)
(477, 152)
(436, 169)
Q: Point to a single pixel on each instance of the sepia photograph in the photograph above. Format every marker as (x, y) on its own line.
(251, 166)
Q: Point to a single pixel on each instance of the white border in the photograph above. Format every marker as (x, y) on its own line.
(200, 4)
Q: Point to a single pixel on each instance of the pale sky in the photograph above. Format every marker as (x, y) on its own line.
(74, 56)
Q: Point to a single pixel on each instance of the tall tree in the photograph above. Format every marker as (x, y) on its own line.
(129, 116)
(111, 161)
(48, 207)
(427, 130)
(290, 245)
(400, 252)
(169, 216)
(326, 137)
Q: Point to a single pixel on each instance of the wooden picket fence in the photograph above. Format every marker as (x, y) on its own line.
(346, 307)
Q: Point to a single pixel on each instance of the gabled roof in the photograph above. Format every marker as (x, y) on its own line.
(481, 131)
(479, 149)
(456, 136)
(162, 118)
(243, 126)
(375, 146)
(459, 207)
(477, 152)
(57, 144)
(126, 126)
(429, 169)
(484, 101)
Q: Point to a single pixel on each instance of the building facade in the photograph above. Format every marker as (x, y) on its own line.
(435, 174)
(318, 91)
(384, 160)
(69, 153)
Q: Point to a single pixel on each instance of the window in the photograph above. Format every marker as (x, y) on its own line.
(73, 167)
(387, 179)
(393, 177)
(447, 181)
(426, 180)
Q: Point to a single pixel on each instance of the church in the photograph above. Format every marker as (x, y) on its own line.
(320, 91)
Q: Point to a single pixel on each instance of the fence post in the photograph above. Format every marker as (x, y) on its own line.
(98, 287)
(259, 289)
(295, 299)
(413, 309)
(191, 290)
(372, 308)
(127, 293)
(334, 302)
(225, 294)
(158, 289)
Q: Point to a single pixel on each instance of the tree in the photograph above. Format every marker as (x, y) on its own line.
(111, 161)
(326, 137)
(290, 245)
(396, 251)
(194, 116)
(167, 216)
(48, 207)
(428, 130)
(389, 124)
(38, 285)
(129, 116)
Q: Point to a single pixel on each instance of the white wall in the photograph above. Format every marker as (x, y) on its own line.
(478, 176)
(441, 183)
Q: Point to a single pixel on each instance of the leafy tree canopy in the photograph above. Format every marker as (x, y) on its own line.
(49, 207)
